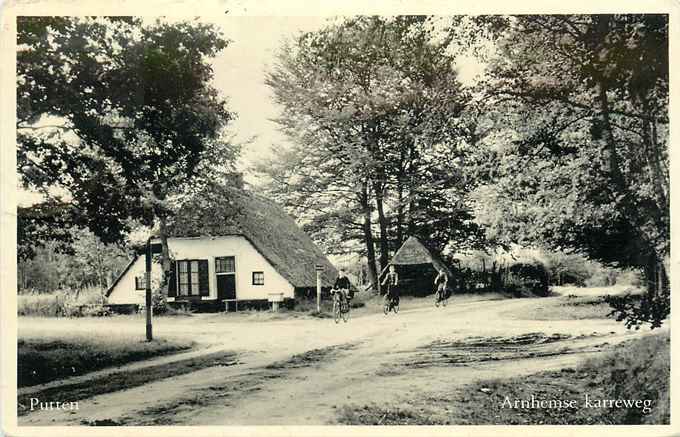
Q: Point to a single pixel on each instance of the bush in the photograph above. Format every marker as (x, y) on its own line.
(600, 278)
(97, 310)
(629, 277)
(525, 279)
(159, 303)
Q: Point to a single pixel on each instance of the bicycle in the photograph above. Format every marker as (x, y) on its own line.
(441, 296)
(340, 308)
(391, 303)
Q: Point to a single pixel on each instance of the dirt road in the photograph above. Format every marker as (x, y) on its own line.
(303, 371)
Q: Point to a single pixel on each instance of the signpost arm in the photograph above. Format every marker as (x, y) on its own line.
(149, 331)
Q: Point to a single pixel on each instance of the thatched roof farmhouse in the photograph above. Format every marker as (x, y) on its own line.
(231, 245)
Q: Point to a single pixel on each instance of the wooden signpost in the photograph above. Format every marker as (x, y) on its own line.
(319, 268)
(149, 330)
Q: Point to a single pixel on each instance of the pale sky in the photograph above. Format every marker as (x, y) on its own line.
(240, 73)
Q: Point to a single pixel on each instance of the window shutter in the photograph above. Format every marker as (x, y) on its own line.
(172, 279)
(203, 278)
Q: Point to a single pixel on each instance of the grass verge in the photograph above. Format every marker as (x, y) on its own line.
(57, 303)
(41, 360)
(566, 308)
(634, 370)
(124, 380)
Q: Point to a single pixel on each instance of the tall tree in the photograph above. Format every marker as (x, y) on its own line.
(364, 101)
(90, 263)
(113, 115)
(579, 158)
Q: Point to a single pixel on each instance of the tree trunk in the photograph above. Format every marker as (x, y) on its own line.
(400, 212)
(100, 266)
(651, 275)
(656, 175)
(610, 153)
(382, 222)
(656, 276)
(165, 251)
(637, 215)
(664, 283)
(410, 225)
(368, 239)
(400, 197)
(410, 220)
(654, 168)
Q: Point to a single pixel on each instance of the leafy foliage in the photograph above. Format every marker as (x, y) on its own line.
(114, 116)
(374, 107)
(89, 263)
(636, 312)
(577, 155)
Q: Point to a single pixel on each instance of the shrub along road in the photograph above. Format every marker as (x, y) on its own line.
(311, 371)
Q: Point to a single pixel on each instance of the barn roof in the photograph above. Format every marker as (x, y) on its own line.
(219, 211)
(413, 251)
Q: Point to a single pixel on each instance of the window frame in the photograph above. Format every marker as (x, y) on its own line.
(221, 258)
(260, 275)
(140, 279)
(193, 288)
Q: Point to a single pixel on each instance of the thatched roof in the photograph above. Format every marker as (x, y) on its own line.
(413, 251)
(218, 211)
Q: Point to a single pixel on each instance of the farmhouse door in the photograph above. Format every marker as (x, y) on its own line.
(226, 287)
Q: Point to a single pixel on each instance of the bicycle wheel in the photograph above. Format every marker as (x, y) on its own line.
(395, 308)
(345, 314)
(336, 311)
(386, 307)
(445, 301)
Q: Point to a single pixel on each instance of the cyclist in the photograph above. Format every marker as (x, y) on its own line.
(392, 280)
(343, 288)
(441, 281)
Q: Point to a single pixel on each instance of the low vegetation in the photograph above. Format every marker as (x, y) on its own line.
(568, 307)
(124, 380)
(634, 370)
(42, 360)
(62, 303)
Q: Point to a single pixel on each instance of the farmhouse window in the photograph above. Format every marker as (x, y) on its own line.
(258, 278)
(140, 282)
(225, 264)
(192, 277)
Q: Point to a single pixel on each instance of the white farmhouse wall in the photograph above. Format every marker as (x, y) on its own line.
(247, 260)
(124, 291)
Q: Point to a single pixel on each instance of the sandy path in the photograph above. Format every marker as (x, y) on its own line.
(368, 363)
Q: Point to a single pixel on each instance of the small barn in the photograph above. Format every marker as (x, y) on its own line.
(229, 248)
(417, 267)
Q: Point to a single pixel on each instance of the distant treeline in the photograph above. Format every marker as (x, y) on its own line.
(519, 272)
(88, 263)
(533, 271)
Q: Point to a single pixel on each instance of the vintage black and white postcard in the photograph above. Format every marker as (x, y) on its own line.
(328, 218)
